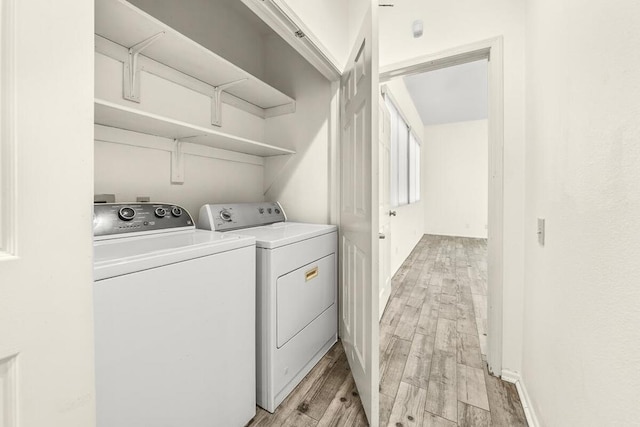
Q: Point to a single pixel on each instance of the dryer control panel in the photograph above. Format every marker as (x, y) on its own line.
(233, 216)
(118, 219)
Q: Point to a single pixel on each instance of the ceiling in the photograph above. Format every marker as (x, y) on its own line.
(452, 94)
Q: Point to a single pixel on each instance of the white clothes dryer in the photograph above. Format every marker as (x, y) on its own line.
(296, 279)
(174, 312)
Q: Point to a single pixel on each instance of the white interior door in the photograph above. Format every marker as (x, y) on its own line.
(384, 165)
(359, 215)
(46, 165)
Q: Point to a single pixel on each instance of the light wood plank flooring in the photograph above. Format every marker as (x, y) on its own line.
(432, 346)
(327, 396)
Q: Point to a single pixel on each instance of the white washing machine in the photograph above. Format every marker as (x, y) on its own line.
(296, 291)
(174, 312)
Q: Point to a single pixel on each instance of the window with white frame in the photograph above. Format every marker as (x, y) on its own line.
(405, 158)
(414, 168)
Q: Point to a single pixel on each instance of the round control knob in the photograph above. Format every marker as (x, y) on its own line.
(261, 210)
(160, 212)
(176, 211)
(126, 213)
(278, 211)
(268, 210)
(225, 215)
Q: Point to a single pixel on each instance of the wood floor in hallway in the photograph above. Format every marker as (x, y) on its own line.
(432, 346)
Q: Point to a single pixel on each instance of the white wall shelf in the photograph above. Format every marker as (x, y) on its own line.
(132, 119)
(124, 24)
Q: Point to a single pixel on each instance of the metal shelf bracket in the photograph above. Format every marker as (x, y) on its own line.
(216, 101)
(131, 90)
(177, 163)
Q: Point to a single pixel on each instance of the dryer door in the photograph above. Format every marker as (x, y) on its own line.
(303, 295)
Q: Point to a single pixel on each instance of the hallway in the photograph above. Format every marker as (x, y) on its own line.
(432, 342)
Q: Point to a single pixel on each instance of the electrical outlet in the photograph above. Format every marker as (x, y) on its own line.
(541, 231)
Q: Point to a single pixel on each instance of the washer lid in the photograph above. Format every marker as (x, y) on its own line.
(284, 233)
(131, 254)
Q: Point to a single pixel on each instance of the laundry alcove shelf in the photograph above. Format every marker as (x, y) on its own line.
(141, 43)
(144, 36)
(128, 118)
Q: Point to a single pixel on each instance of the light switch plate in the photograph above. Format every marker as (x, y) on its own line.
(541, 231)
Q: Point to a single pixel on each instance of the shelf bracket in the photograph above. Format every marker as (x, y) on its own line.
(177, 163)
(216, 101)
(131, 90)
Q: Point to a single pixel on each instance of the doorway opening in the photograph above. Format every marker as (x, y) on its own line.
(491, 51)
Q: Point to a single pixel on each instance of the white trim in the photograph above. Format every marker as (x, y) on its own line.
(510, 376)
(493, 50)
(435, 61)
(283, 20)
(334, 154)
(495, 241)
(388, 92)
(529, 412)
(9, 390)
(8, 142)
(141, 140)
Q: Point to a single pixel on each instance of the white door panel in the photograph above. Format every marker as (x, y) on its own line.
(46, 165)
(359, 215)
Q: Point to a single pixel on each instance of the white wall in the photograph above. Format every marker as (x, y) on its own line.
(129, 171)
(328, 22)
(449, 24)
(148, 170)
(301, 181)
(455, 178)
(334, 23)
(581, 358)
(407, 227)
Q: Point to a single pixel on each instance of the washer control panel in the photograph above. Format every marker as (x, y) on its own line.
(117, 219)
(233, 216)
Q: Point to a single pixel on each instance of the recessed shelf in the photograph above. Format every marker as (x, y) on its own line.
(128, 118)
(126, 25)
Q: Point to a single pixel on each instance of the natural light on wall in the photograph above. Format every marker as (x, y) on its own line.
(405, 158)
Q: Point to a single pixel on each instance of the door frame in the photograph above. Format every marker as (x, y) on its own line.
(491, 49)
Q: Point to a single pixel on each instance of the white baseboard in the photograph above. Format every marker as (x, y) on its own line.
(514, 378)
(510, 376)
